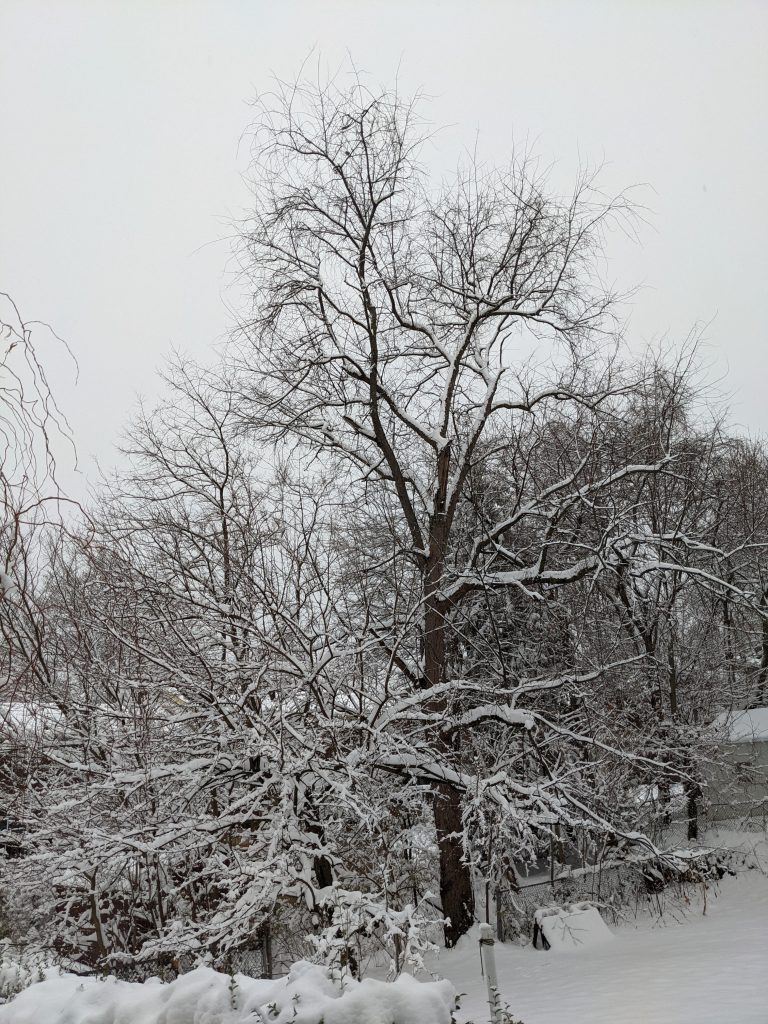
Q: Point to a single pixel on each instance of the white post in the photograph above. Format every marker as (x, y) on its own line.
(488, 961)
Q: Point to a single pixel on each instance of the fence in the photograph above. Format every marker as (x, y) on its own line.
(611, 888)
(252, 962)
(617, 888)
(672, 834)
(256, 961)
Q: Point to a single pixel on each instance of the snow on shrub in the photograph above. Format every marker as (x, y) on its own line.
(309, 995)
(19, 972)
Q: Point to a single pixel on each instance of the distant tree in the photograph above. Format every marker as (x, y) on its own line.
(29, 421)
(31, 424)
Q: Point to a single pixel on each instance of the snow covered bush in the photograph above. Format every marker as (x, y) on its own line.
(309, 995)
(18, 971)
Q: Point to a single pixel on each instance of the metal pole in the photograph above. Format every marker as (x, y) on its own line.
(488, 961)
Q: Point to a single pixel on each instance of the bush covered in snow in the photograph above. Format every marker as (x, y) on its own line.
(19, 972)
(309, 995)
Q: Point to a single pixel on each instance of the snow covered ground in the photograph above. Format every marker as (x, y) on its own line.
(702, 969)
(691, 968)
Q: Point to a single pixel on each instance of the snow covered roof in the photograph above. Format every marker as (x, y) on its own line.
(743, 726)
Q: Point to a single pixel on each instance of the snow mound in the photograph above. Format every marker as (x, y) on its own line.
(309, 995)
(737, 726)
(573, 926)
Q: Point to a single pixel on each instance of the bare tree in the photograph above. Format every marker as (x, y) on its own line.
(419, 336)
(31, 423)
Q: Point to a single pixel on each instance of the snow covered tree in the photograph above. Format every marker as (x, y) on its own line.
(414, 337)
(199, 781)
(425, 580)
(30, 423)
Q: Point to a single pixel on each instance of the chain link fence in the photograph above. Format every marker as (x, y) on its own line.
(673, 833)
(255, 961)
(610, 888)
(619, 889)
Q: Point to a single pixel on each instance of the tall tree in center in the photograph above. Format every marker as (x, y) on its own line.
(421, 336)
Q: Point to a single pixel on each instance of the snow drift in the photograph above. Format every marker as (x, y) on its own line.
(309, 995)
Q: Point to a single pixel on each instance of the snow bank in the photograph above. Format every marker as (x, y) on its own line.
(573, 926)
(309, 995)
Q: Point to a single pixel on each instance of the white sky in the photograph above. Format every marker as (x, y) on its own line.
(121, 162)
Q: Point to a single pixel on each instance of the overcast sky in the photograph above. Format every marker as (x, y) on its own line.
(122, 161)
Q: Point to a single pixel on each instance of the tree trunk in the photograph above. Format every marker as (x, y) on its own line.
(267, 964)
(692, 793)
(455, 876)
(760, 693)
(456, 890)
